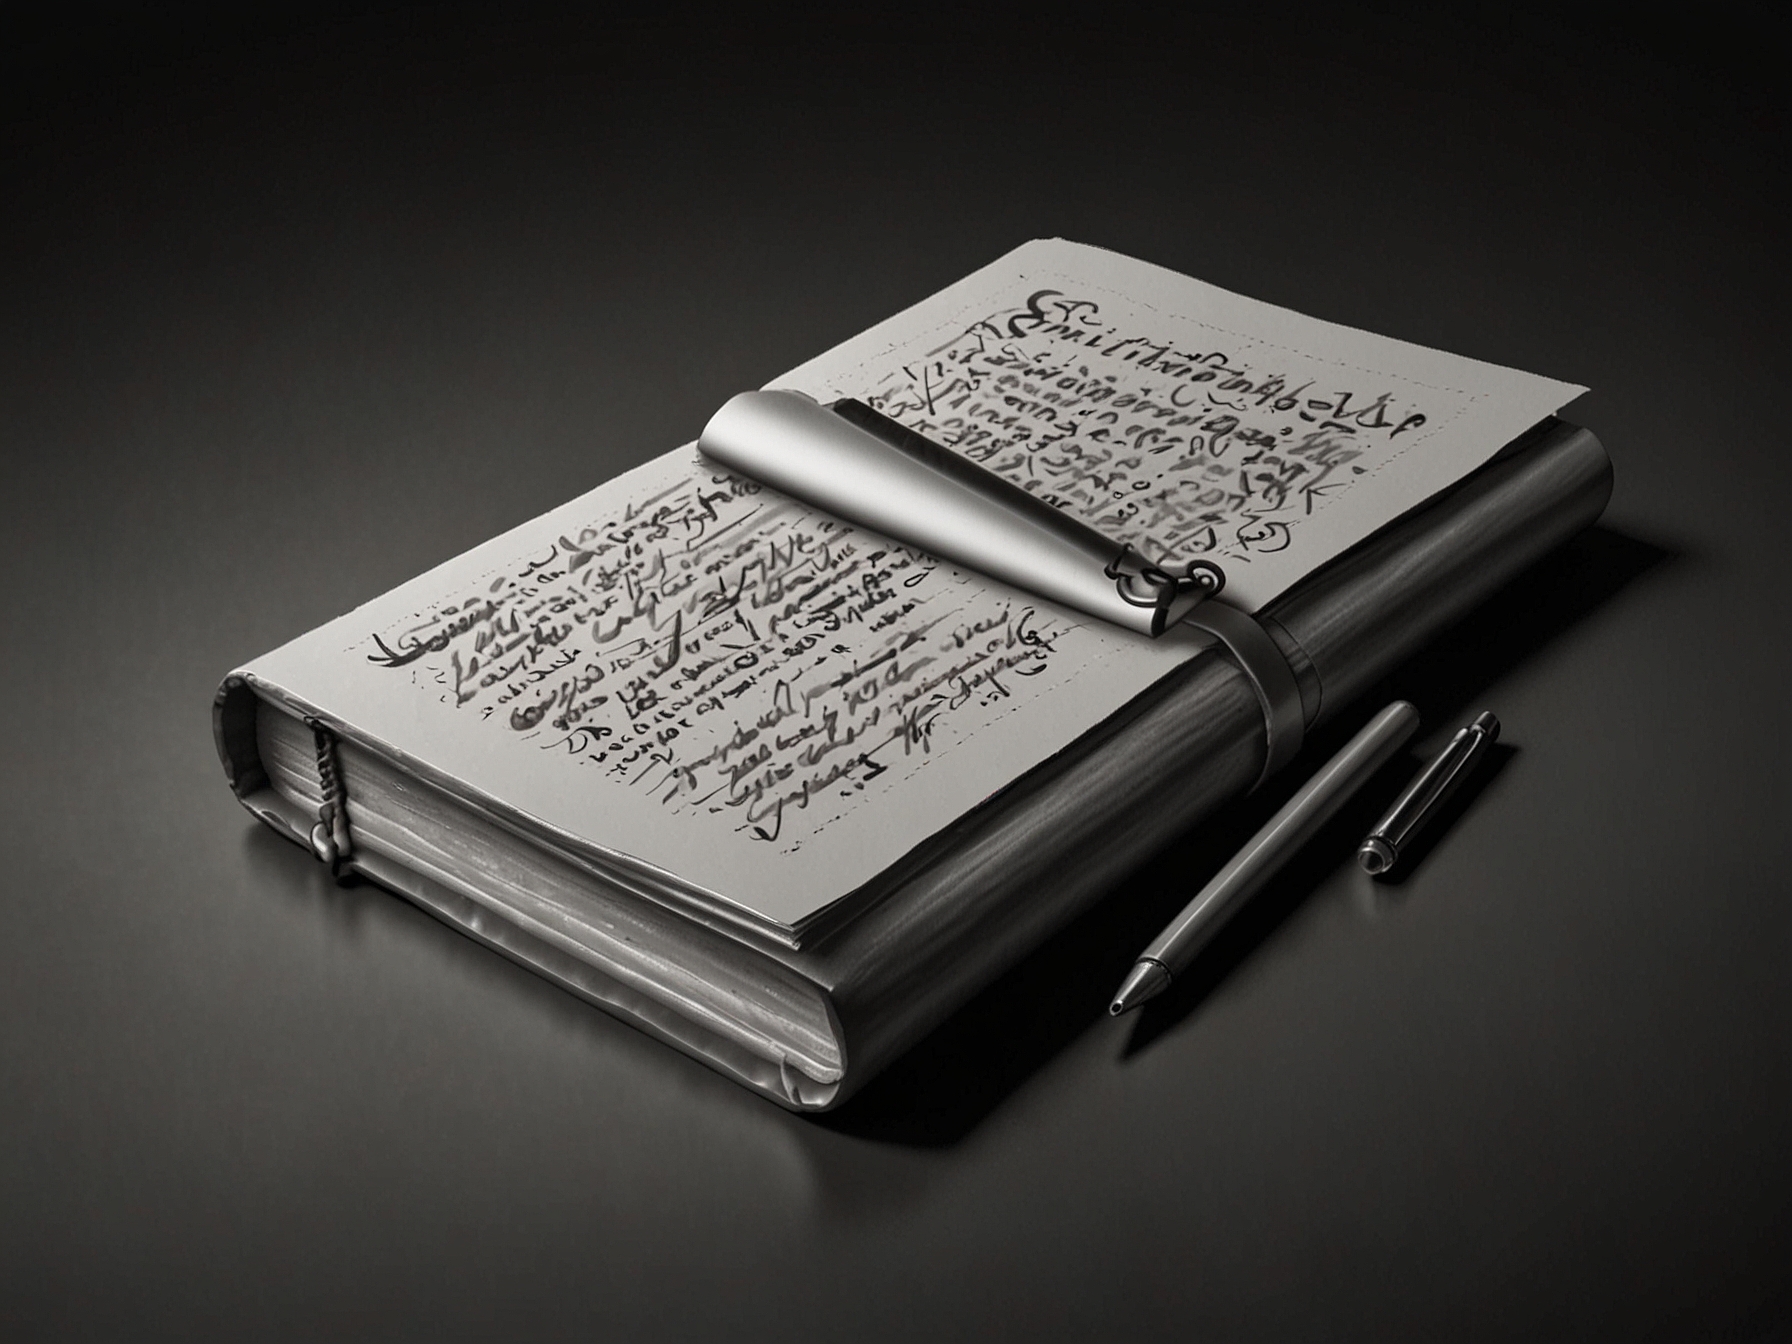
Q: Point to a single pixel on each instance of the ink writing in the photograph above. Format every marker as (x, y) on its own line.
(727, 652)
(1220, 451)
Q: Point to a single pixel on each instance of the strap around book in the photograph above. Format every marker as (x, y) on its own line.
(1278, 693)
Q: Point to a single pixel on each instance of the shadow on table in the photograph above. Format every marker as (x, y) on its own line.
(952, 1080)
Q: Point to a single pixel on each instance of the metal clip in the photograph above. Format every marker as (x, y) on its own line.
(1143, 584)
(330, 838)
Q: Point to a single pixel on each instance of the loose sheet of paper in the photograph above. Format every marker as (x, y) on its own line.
(705, 680)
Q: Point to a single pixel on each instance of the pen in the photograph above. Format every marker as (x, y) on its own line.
(1380, 849)
(1268, 850)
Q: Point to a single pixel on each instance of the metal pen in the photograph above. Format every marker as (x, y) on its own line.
(1380, 849)
(1315, 804)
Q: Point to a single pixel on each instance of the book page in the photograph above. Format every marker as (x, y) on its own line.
(1183, 420)
(695, 679)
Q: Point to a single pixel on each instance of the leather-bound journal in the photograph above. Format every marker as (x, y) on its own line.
(783, 790)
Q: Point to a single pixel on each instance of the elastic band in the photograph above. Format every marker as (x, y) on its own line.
(1284, 723)
(330, 838)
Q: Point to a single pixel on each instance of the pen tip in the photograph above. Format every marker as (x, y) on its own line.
(1146, 980)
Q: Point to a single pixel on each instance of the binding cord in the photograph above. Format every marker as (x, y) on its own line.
(329, 838)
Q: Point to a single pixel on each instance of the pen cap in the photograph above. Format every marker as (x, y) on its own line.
(937, 502)
(1426, 795)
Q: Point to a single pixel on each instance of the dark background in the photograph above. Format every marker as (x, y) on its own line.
(294, 305)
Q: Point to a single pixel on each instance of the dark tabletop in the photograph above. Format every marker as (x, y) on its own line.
(293, 308)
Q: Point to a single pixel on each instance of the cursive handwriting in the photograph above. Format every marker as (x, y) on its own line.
(1183, 454)
(729, 653)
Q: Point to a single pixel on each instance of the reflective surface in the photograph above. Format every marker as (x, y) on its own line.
(294, 312)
